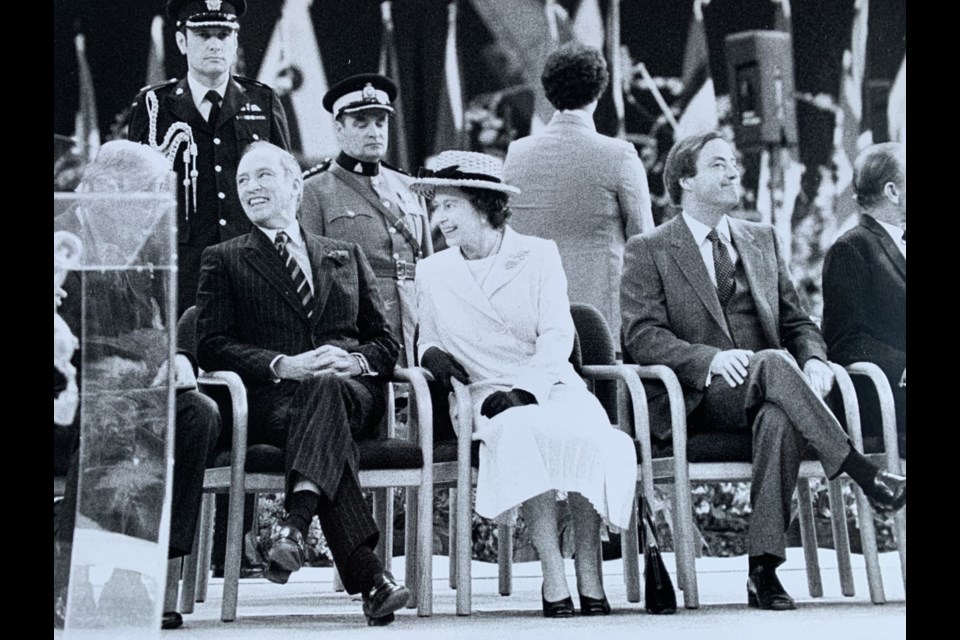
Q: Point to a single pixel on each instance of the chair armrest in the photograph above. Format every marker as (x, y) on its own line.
(641, 417)
(678, 409)
(888, 411)
(238, 404)
(851, 408)
(421, 429)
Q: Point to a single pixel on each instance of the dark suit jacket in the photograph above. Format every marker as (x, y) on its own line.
(865, 311)
(672, 316)
(248, 313)
(250, 111)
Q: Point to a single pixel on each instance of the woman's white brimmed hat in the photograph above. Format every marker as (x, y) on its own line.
(462, 169)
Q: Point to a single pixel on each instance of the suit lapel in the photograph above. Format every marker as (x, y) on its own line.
(356, 183)
(510, 261)
(688, 259)
(183, 108)
(234, 97)
(261, 255)
(323, 274)
(891, 249)
(763, 282)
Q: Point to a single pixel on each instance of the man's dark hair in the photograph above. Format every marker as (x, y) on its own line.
(574, 76)
(682, 162)
(876, 166)
(493, 205)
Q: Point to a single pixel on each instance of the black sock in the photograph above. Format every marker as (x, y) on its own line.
(764, 562)
(303, 506)
(364, 567)
(860, 469)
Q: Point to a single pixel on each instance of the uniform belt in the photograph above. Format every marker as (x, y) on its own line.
(402, 270)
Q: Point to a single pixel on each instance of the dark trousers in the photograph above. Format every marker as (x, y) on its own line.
(196, 429)
(784, 414)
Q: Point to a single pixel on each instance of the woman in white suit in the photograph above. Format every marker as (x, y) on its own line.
(494, 314)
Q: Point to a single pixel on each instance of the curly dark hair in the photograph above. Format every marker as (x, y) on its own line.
(492, 205)
(681, 162)
(574, 76)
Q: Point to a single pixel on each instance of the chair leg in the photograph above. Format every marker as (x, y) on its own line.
(188, 594)
(808, 537)
(410, 556)
(505, 558)
(630, 550)
(868, 540)
(464, 527)
(383, 514)
(452, 536)
(207, 511)
(686, 561)
(424, 550)
(900, 520)
(174, 568)
(841, 539)
(234, 553)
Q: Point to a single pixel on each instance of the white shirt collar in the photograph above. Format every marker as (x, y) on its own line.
(580, 114)
(700, 230)
(894, 230)
(198, 91)
(292, 231)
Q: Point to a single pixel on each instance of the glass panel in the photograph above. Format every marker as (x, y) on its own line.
(125, 319)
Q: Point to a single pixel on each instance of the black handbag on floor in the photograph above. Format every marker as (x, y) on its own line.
(659, 596)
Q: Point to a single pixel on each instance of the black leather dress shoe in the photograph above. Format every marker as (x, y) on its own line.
(764, 591)
(888, 493)
(171, 620)
(286, 555)
(559, 609)
(385, 597)
(594, 607)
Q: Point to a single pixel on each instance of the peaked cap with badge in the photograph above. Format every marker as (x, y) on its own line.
(359, 93)
(208, 208)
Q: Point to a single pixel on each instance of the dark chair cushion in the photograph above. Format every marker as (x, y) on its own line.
(374, 454)
(717, 447)
(597, 347)
(446, 451)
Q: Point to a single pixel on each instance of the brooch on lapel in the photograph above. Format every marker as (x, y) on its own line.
(251, 107)
(339, 257)
(516, 259)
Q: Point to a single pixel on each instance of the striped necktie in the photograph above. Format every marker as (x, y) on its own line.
(293, 268)
(723, 267)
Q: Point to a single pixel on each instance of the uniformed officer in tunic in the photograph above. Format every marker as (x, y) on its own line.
(224, 113)
(358, 198)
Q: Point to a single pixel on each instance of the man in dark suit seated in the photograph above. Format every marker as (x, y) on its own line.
(865, 284)
(298, 317)
(711, 297)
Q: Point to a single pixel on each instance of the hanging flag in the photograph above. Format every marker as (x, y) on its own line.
(86, 129)
(449, 128)
(292, 66)
(588, 24)
(698, 102)
(398, 153)
(849, 138)
(897, 105)
(155, 71)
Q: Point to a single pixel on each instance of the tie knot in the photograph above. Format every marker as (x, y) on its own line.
(904, 237)
(213, 97)
(713, 236)
(281, 240)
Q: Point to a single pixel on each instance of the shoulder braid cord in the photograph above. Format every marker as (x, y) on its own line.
(178, 133)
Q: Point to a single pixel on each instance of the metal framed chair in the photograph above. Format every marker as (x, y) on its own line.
(386, 463)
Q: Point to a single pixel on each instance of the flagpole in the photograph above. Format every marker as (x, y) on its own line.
(667, 113)
(616, 72)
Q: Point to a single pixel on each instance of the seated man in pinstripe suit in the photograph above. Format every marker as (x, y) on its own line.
(299, 318)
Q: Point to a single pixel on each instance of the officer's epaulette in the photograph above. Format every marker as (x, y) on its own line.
(393, 168)
(154, 87)
(251, 82)
(317, 168)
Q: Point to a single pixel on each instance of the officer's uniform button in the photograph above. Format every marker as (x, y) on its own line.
(216, 141)
(223, 222)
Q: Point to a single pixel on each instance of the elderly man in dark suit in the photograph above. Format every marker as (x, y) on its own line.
(865, 283)
(299, 318)
(711, 297)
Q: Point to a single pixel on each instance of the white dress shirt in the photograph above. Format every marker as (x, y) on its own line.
(896, 234)
(198, 92)
(295, 247)
(700, 231)
(583, 115)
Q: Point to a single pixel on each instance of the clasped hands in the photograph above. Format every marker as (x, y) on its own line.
(443, 367)
(732, 365)
(327, 360)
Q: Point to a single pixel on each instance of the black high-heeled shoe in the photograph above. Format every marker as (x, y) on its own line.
(593, 606)
(560, 609)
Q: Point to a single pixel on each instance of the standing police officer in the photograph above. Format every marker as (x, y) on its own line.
(223, 113)
(358, 198)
